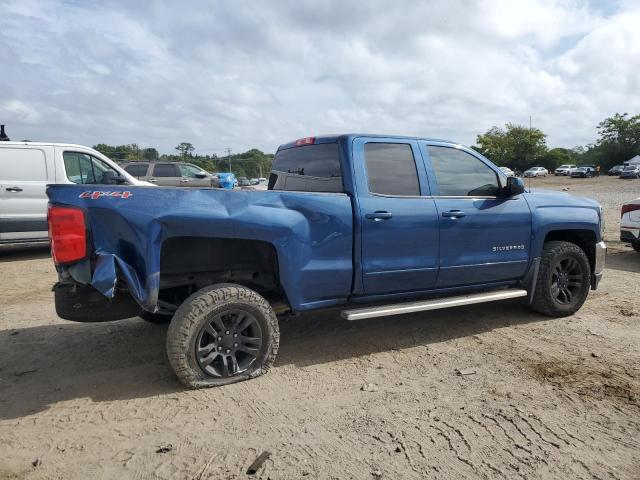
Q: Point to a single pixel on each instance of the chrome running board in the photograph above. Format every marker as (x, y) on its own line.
(410, 307)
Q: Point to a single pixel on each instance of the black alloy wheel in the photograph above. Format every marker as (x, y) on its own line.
(228, 343)
(566, 280)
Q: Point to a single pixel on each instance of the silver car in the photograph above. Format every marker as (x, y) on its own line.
(172, 174)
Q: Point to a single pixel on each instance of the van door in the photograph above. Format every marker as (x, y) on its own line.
(24, 174)
(165, 175)
(193, 177)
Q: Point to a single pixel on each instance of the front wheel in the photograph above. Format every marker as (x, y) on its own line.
(564, 279)
(222, 334)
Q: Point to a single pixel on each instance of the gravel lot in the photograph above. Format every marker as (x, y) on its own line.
(383, 398)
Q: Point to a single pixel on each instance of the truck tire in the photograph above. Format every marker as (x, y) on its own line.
(222, 334)
(564, 279)
(158, 318)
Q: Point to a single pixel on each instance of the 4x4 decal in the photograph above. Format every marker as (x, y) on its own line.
(95, 195)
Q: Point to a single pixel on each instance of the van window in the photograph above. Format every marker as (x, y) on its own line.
(83, 168)
(23, 164)
(460, 174)
(137, 170)
(391, 169)
(311, 168)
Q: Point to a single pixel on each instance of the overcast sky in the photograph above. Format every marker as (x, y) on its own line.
(257, 74)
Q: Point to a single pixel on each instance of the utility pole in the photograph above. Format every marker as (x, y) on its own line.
(228, 150)
(530, 146)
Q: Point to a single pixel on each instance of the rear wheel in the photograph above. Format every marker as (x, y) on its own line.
(636, 246)
(563, 279)
(222, 334)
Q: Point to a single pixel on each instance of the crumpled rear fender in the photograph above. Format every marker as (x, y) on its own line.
(311, 232)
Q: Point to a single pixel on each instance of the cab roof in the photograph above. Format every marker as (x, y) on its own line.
(44, 144)
(333, 138)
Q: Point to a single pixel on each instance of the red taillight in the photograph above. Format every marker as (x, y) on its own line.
(629, 207)
(305, 141)
(68, 234)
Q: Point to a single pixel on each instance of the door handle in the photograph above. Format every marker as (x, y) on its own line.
(379, 215)
(184, 180)
(453, 214)
(153, 180)
(13, 189)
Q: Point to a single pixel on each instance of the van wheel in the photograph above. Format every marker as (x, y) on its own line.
(563, 279)
(159, 318)
(222, 334)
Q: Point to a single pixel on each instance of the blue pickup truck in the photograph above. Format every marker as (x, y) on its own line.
(372, 225)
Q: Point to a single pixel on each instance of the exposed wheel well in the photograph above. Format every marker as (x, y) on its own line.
(188, 264)
(585, 239)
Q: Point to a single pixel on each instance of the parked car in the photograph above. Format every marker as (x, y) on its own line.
(25, 170)
(630, 224)
(584, 172)
(172, 174)
(243, 182)
(507, 171)
(228, 180)
(536, 172)
(254, 181)
(616, 170)
(262, 180)
(564, 169)
(630, 171)
(397, 234)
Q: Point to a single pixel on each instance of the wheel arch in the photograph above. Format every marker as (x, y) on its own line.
(586, 239)
(201, 261)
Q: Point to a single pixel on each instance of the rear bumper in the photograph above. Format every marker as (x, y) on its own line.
(598, 269)
(83, 303)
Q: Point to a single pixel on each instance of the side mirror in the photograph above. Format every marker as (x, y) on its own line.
(515, 186)
(201, 175)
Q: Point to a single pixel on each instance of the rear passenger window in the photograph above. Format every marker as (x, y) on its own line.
(23, 164)
(460, 174)
(391, 169)
(310, 168)
(137, 170)
(165, 170)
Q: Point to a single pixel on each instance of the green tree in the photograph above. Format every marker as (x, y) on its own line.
(185, 149)
(556, 157)
(150, 154)
(516, 146)
(619, 139)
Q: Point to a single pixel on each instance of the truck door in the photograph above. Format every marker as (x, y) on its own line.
(483, 238)
(24, 174)
(398, 218)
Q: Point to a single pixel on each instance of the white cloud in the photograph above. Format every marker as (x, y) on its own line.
(222, 73)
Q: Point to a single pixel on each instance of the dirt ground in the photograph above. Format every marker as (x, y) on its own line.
(382, 398)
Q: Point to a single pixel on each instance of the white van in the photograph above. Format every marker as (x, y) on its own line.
(25, 170)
